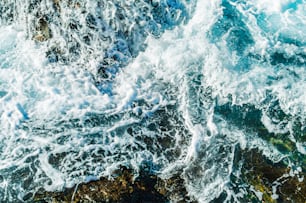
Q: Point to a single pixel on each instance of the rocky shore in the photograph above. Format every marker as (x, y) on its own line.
(263, 181)
(123, 187)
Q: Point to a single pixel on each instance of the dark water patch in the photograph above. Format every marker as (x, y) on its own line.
(299, 129)
(2, 93)
(7, 13)
(248, 119)
(244, 115)
(297, 60)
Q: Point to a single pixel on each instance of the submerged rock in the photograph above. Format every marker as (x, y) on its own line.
(123, 187)
(263, 181)
(43, 31)
(270, 182)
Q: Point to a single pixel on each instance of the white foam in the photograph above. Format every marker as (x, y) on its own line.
(39, 96)
(271, 6)
(55, 175)
(257, 193)
(301, 147)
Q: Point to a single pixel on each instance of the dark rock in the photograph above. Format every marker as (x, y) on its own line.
(263, 175)
(123, 187)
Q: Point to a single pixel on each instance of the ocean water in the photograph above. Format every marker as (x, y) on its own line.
(167, 85)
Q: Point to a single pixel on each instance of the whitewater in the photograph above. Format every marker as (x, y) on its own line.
(171, 85)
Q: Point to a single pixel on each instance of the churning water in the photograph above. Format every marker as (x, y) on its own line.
(173, 85)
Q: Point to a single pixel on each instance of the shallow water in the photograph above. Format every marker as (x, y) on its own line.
(88, 86)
